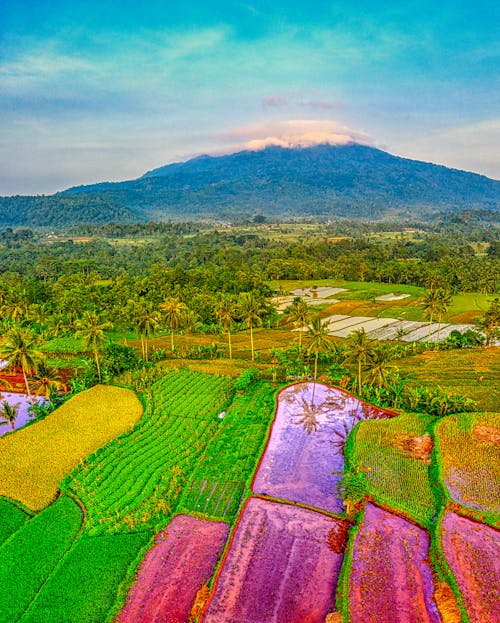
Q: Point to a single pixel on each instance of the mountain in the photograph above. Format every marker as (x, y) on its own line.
(328, 181)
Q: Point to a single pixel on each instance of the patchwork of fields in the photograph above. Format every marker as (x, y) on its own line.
(214, 506)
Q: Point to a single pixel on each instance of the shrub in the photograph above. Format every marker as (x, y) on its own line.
(245, 379)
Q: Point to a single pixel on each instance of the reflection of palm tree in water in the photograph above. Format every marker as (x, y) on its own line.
(309, 411)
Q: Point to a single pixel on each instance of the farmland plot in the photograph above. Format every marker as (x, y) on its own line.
(282, 567)
(23, 416)
(472, 551)
(469, 447)
(174, 570)
(306, 444)
(390, 579)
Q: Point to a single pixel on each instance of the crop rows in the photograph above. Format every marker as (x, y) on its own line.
(231, 456)
(469, 453)
(133, 484)
(393, 474)
(11, 519)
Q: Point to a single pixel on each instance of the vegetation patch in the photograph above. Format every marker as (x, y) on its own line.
(11, 518)
(392, 457)
(85, 585)
(133, 484)
(33, 460)
(31, 554)
(469, 452)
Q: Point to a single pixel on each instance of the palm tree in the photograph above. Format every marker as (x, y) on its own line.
(173, 310)
(91, 328)
(436, 302)
(146, 320)
(359, 346)
(378, 365)
(300, 315)
(318, 341)
(9, 413)
(226, 312)
(251, 309)
(20, 349)
(47, 380)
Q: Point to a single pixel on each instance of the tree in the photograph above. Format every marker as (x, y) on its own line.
(436, 302)
(226, 312)
(318, 341)
(91, 328)
(300, 316)
(9, 413)
(146, 320)
(251, 310)
(20, 349)
(359, 347)
(490, 321)
(173, 310)
(379, 365)
(47, 380)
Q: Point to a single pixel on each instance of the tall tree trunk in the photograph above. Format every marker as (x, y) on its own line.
(430, 325)
(172, 340)
(359, 377)
(229, 343)
(96, 357)
(316, 365)
(251, 340)
(27, 385)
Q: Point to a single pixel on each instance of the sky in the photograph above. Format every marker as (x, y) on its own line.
(103, 91)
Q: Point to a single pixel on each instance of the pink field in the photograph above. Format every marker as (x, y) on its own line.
(306, 444)
(473, 554)
(390, 578)
(182, 560)
(282, 567)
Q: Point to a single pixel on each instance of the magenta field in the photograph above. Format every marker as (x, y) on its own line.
(390, 577)
(305, 448)
(472, 552)
(282, 567)
(182, 559)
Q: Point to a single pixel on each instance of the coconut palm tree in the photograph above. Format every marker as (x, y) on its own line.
(92, 329)
(226, 312)
(359, 347)
(47, 380)
(146, 320)
(318, 341)
(436, 302)
(9, 413)
(300, 316)
(173, 310)
(20, 349)
(251, 310)
(379, 366)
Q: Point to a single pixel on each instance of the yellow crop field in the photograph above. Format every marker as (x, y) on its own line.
(469, 447)
(33, 460)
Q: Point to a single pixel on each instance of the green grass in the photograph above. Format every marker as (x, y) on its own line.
(29, 556)
(392, 475)
(133, 483)
(228, 462)
(85, 585)
(66, 345)
(11, 518)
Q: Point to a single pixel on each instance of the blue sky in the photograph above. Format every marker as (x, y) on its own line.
(93, 91)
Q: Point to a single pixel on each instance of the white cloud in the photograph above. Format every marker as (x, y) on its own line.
(294, 133)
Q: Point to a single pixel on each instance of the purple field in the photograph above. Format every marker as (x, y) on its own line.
(175, 568)
(390, 577)
(13, 398)
(306, 444)
(473, 553)
(282, 567)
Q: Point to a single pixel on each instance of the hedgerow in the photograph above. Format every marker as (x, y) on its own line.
(31, 554)
(33, 460)
(84, 586)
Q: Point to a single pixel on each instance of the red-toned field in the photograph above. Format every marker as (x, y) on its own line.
(282, 567)
(304, 458)
(181, 561)
(390, 578)
(473, 553)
